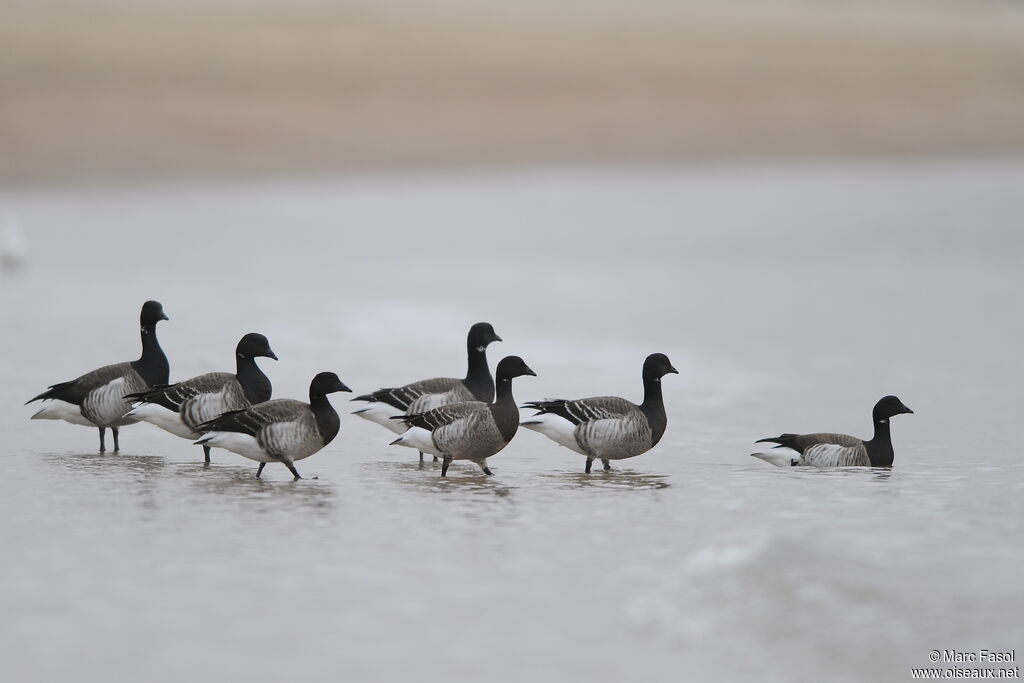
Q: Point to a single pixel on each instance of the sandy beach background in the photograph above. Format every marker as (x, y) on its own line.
(116, 91)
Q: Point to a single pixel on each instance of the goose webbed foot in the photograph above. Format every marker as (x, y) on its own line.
(259, 470)
(590, 463)
(486, 469)
(444, 466)
(435, 459)
(607, 465)
(115, 431)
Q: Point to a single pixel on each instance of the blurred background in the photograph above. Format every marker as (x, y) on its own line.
(806, 204)
(130, 90)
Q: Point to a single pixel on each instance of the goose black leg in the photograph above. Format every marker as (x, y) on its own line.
(421, 457)
(291, 468)
(444, 466)
(487, 470)
(103, 439)
(607, 465)
(206, 452)
(259, 470)
(117, 446)
(590, 463)
(435, 459)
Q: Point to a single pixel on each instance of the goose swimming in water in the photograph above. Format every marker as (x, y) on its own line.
(838, 450)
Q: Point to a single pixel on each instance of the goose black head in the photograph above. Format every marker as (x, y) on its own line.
(480, 335)
(326, 383)
(254, 345)
(152, 313)
(888, 406)
(657, 366)
(512, 366)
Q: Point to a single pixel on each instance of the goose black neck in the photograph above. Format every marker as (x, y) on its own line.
(478, 376)
(327, 420)
(880, 446)
(255, 385)
(152, 366)
(504, 410)
(653, 408)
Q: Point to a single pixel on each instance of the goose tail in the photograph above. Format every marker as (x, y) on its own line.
(54, 392)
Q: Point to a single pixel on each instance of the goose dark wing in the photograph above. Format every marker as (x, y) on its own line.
(254, 418)
(445, 415)
(77, 389)
(586, 409)
(403, 397)
(174, 396)
(801, 442)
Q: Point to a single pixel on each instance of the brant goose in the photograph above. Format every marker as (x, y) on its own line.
(96, 399)
(607, 427)
(384, 405)
(468, 430)
(839, 450)
(180, 408)
(281, 430)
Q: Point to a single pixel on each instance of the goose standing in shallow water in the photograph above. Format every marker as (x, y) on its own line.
(839, 450)
(180, 408)
(607, 427)
(282, 430)
(384, 405)
(469, 430)
(96, 399)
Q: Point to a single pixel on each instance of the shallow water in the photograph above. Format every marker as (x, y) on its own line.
(789, 298)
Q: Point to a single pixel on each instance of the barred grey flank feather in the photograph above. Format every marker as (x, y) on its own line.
(615, 438)
(435, 399)
(468, 432)
(212, 394)
(104, 405)
(835, 455)
(295, 439)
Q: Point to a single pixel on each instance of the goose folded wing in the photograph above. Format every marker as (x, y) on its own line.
(76, 390)
(217, 394)
(174, 396)
(253, 419)
(403, 397)
(584, 410)
(445, 415)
